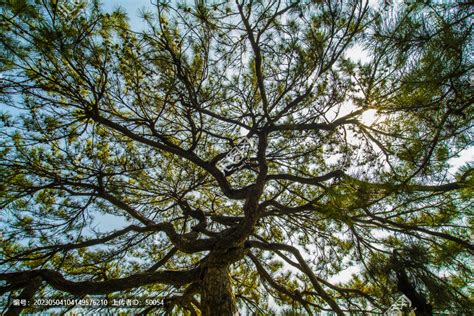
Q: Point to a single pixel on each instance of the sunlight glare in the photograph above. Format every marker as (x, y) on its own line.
(369, 117)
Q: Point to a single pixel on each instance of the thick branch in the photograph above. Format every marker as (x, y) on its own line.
(210, 168)
(27, 294)
(314, 180)
(315, 126)
(57, 280)
(378, 186)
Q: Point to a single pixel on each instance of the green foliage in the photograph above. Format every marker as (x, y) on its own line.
(103, 123)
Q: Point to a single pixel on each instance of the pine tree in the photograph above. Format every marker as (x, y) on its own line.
(230, 141)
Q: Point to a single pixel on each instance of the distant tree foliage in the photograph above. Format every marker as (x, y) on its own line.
(102, 120)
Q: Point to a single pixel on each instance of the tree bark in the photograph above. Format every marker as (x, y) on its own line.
(217, 297)
(419, 302)
(27, 294)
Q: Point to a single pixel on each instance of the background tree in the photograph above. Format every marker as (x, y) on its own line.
(136, 125)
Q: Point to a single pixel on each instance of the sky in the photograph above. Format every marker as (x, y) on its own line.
(132, 7)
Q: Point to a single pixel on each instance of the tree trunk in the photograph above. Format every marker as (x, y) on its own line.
(418, 301)
(217, 298)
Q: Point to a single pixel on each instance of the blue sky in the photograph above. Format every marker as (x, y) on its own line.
(132, 7)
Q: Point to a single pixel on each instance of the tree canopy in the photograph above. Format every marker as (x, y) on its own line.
(346, 169)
